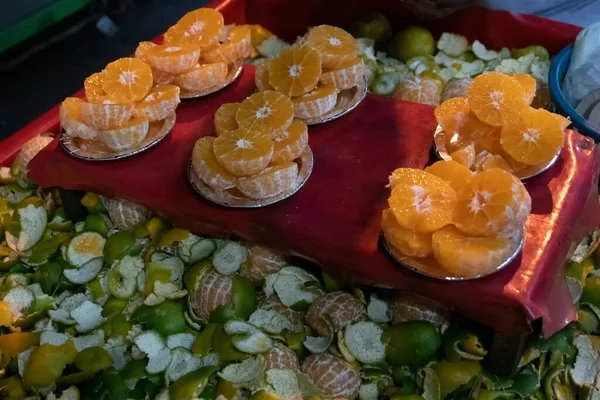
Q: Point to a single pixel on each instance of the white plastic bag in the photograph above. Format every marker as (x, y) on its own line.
(583, 76)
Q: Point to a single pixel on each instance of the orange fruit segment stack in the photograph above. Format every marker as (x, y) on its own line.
(495, 126)
(192, 56)
(467, 222)
(314, 71)
(256, 147)
(419, 90)
(120, 107)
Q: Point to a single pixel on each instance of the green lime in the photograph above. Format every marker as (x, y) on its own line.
(413, 41)
(172, 236)
(92, 202)
(166, 318)
(454, 374)
(538, 51)
(121, 244)
(591, 291)
(373, 25)
(412, 343)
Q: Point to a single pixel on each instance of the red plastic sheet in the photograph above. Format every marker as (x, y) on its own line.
(334, 218)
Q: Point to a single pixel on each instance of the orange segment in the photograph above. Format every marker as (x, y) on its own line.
(347, 75)
(202, 77)
(270, 182)
(268, 112)
(452, 172)
(292, 145)
(489, 143)
(225, 118)
(105, 115)
(261, 75)
(159, 104)
(126, 136)
(496, 161)
(235, 48)
(295, 71)
(335, 45)
(174, 59)
(420, 200)
(127, 80)
(488, 203)
(243, 152)
(467, 256)
(409, 242)
(452, 114)
(419, 90)
(464, 156)
(564, 121)
(94, 86)
(316, 103)
(533, 138)
(201, 27)
(208, 169)
(529, 84)
(71, 120)
(495, 98)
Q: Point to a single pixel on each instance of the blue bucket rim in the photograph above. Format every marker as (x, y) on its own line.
(555, 84)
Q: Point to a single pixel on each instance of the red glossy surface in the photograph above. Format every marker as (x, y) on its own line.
(334, 219)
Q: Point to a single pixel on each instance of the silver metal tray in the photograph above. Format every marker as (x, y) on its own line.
(232, 198)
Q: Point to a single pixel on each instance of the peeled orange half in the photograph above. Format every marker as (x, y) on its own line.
(243, 152)
(467, 256)
(496, 98)
(409, 242)
(421, 201)
(534, 137)
(208, 169)
(295, 71)
(268, 112)
(105, 115)
(126, 136)
(94, 87)
(269, 182)
(174, 59)
(161, 102)
(290, 146)
(127, 80)
(200, 27)
(335, 45)
(225, 118)
(72, 121)
(202, 77)
(236, 47)
(347, 75)
(316, 103)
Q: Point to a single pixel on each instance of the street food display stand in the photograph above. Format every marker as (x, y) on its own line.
(334, 220)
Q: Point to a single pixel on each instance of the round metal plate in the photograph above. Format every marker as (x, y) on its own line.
(430, 267)
(347, 101)
(440, 141)
(232, 198)
(94, 150)
(234, 72)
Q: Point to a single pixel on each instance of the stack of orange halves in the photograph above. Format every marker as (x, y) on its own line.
(193, 56)
(495, 127)
(121, 106)
(256, 145)
(314, 71)
(471, 223)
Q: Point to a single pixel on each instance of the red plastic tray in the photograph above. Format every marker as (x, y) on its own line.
(334, 219)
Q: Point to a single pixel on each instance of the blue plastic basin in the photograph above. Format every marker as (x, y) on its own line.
(558, 70)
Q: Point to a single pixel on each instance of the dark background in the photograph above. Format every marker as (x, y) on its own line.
(33, 82)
